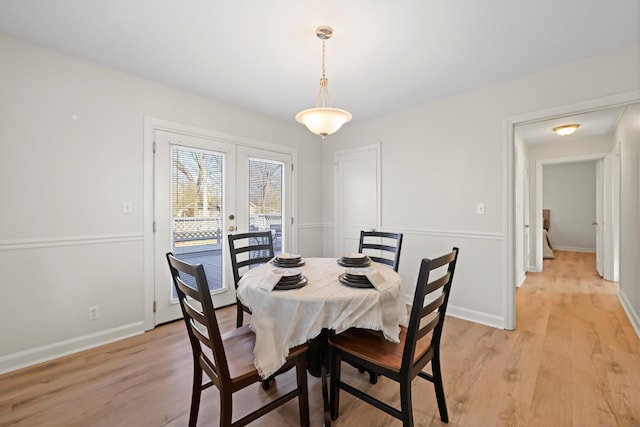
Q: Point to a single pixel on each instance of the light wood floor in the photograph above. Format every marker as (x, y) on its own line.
(574, 360)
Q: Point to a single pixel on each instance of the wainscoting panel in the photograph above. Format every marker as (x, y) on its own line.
(478, 290)
(49, 286)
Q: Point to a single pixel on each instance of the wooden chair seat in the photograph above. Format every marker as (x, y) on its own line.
(374, 348)
(238, 346)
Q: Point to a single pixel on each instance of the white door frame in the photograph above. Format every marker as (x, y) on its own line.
(509, 181)
(151, 124)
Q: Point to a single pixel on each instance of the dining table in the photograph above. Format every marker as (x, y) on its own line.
(321, 302)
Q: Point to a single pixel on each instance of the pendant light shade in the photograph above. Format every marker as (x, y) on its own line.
(323, 120)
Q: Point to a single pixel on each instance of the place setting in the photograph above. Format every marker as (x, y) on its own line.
(363, 278)
(286, 260)
(279, 279)
(354, 260)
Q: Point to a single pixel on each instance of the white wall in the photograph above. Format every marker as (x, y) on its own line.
(440, 159)
(628, 136)
(72, 151)
(570, 194)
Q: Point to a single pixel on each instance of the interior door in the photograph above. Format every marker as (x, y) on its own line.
(194, 199)
(357, 195)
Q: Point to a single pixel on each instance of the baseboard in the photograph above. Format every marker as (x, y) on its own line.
(521, 279)
(634, 318)
(45, 353)
(476, 316)
(573, 249)
(466, 314)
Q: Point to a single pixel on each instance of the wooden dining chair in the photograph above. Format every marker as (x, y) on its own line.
(227, 359)
(386, 247)
(419, 345)
(247, 250)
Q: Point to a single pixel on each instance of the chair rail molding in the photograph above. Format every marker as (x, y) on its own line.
(18, 244)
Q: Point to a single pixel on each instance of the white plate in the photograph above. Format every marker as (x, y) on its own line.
(287, 272)
(354, 255)
(288, 256)
(359, 271)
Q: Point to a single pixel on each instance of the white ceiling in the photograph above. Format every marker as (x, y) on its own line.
(385, 56)
(592, 124)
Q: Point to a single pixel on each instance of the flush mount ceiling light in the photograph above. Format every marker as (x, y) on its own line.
(566, 129)
(323, 120)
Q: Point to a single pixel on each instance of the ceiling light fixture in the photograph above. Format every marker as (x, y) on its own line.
(323, 120)
(566, 129)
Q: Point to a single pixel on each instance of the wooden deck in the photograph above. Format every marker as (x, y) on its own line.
(210, 256)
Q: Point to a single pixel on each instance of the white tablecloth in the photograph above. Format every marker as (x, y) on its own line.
(283, 319)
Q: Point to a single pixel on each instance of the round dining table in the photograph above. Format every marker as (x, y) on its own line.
(282, 319)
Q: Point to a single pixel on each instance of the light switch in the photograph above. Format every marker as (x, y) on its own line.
(127, 206)
(480, 208)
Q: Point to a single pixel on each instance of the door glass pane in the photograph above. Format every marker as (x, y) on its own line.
(266, 199)
(196, 208)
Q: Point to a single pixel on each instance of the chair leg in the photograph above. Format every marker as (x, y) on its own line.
(239, 315)
(303, 398)
(437, 382)
(326, 404)
(405, 404)
(196, 391)
(373, 377)
(226, 409)
(335, 389)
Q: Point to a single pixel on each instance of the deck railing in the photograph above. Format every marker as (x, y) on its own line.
(193, 234)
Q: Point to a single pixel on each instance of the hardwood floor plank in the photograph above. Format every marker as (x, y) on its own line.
(574, 360)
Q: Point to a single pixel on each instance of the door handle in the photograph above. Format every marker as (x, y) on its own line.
(232, 228)
(595, 223)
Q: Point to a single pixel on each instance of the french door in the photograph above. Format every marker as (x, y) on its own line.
(204, 189)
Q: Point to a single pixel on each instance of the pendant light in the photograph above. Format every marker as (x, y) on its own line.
(323, 120)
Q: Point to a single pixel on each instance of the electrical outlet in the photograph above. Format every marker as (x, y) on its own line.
(94, 312)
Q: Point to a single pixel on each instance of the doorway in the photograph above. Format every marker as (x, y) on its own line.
(204, 187)
(512, 248)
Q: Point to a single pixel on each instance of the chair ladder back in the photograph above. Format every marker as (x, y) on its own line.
(382, 245)
(259, 241)
(200, 319)
(435, 308)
